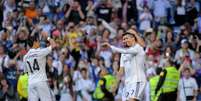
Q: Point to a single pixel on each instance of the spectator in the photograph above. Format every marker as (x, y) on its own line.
(153, 81)
(4, 59)
(106, 86)
(67, 89)
(94, 70)
(103, 11)
(7, 92)
(74, 12)
(168, 83)
(22, 87)
(31, 11)
(51, 70)
(145, 19)
(196, 62)
(142, 3)
(129, 6)
(46, 24)
(11, 73)
(90, 25)
(184, 52)
(168, 54)
(187, 86)
(106, 55)
(53, 88)
(160, 14)
(194, 43)
(9, 6)
(170, 40)
(180, 13)
(155, 49)
(87, 87)
(5, 40)
(90, 8)
(192, 11)
(150, 36)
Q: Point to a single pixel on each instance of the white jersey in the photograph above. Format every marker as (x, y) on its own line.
(132, 60)
(35, 63)
(187, 88)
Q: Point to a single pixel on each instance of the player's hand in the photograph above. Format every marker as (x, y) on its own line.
(105, 44)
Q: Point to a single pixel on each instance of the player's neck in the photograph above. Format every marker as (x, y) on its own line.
(133, 44)
(35, 47)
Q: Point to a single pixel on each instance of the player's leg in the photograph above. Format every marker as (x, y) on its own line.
(136, 91)
(32, 93)
(125, 93)
(44, 92)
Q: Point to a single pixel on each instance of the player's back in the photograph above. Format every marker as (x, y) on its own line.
(35, 61)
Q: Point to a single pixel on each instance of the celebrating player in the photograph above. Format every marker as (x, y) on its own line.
(132, 64)
(35, 61)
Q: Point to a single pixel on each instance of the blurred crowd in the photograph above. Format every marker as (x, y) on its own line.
(170, 28)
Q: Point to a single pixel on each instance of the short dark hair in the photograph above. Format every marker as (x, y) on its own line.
(127, 33)
(32, 39)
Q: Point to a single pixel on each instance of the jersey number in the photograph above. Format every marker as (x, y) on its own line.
(34, 67)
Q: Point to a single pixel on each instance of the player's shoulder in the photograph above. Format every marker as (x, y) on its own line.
(138, 45)
(34, 51)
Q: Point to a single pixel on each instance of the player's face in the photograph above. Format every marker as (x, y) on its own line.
(124, 42)
(128, 40)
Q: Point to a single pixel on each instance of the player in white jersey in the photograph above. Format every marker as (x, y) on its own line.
(132, 63)
(35, 61)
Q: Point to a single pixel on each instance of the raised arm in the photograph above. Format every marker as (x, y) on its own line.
(68, 12)
(52, 42)
(106, 25)
(46, 51)
(131, 50)
(80, 12)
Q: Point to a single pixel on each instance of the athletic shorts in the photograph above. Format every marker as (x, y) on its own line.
(133, 91)
(39, 90)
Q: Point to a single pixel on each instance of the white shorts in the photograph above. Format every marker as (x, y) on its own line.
(133, 90)
(40, 91)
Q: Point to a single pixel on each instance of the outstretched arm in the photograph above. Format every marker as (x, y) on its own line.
(46, 51)
(131, 50)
